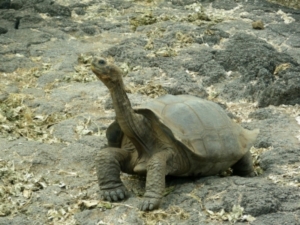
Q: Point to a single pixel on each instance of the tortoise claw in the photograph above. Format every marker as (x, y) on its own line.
(114, 194)
(149, 204)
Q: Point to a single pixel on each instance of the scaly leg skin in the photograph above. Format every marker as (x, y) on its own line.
(110, 161)
(155, 182)
(244, 167)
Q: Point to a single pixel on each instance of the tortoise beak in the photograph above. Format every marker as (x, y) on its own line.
(101, 76)
(94, 69)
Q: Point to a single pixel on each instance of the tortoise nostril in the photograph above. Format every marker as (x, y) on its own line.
(101, 62)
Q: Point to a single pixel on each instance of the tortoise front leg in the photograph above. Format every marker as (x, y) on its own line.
(155, 181)
(110, 161)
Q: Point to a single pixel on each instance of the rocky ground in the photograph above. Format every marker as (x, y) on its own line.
(244, 55)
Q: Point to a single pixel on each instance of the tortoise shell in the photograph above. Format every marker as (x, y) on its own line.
(202, 126)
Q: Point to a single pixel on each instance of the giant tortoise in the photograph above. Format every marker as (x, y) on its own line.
(172, 135)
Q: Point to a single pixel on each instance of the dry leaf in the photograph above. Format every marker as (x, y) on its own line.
(27, 193)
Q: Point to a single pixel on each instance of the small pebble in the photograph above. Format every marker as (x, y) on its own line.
(259, 25)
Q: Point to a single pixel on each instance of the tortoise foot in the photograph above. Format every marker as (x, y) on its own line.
(149, 203)
(115, 194)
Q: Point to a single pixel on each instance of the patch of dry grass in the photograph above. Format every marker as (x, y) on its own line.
(290, 176)
(18, 120)
(157, 216)
(150, 89)
(82, 72)
(16, 187)
(236, 214)
(289, 3)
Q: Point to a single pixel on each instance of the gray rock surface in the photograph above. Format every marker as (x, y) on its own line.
(54, 113)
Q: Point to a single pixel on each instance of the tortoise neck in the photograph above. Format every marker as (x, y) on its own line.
(133, 125)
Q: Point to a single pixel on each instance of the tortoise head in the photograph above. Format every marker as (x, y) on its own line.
(108, 73)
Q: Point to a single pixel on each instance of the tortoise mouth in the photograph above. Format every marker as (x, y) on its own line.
(101, 76)
(94, 69)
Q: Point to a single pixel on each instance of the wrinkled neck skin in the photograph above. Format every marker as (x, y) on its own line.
(135, 126)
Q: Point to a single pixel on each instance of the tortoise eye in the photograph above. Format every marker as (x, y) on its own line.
(101, 62)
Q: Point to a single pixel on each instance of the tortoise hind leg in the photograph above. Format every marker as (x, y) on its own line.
(244, 167)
